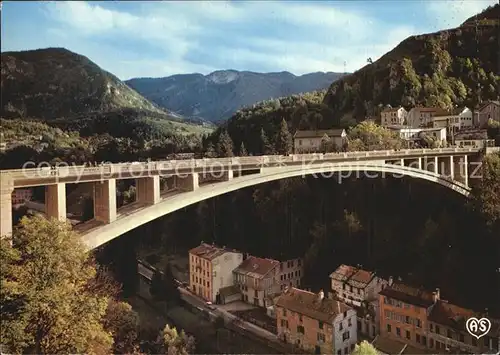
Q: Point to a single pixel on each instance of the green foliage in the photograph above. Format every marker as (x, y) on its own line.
(123, 324)
(364, 348)
(50, 303)
(266, 147)
(284, 145)
(367, 135)
(224, 145)
(486, 196)
(176, 343)
(243, 151)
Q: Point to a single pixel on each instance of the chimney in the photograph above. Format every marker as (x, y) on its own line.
(391, 280)
(321, 295)
(438, 293)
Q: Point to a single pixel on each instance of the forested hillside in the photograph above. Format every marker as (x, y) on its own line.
(453, 67)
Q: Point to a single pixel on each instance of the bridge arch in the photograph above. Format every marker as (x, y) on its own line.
(105, 233)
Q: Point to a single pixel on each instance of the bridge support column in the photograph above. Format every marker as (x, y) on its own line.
(402, 162)
(148, 190)
(55, 201)
(452, 167)
(187, 183)
(436, 165)
(6, 189)
(105, 201)
(462, 170)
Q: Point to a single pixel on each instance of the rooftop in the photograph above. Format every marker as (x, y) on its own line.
(351, 275)
(257, 267)
(391, 109)
(319, 133)
(210, 251)
(408, 294)
(309, 304)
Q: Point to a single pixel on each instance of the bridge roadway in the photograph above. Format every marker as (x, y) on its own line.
(30, 177)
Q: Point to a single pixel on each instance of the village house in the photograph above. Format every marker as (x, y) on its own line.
(415, 134)
(315, 323)
(290, 273)
(393, 116)
(454, 120)
(489, 110)
(354, 285)
(319, 140)
(211, 268)
(257, 279)
(421, 116)
(403, 313)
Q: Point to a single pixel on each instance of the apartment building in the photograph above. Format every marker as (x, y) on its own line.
(211, 268)
(393, 116)
(403, 313)
(290, 273)
(447, 332)
(257, 279)
(314, 141)
(315, 323)
(473, 138)
(354, 285)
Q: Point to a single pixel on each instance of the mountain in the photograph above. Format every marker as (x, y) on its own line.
(220, 94)
(69, 90)
(457, 66)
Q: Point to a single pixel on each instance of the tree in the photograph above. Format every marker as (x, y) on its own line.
(265, 146)
(364, 348)
(123, 323)
(225, 145)
(243, 151)
(284, 140)
(176, 343)
(48, 301)
(367, 135)
(210, 151)
(486, 197)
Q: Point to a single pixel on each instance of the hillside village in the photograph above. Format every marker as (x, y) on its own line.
(397, 318)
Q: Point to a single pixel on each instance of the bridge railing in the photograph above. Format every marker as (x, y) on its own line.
(137, 167)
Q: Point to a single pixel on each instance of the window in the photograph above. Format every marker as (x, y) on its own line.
(408, 335)
(419, 323)
(299, 262)
(345, 336)
(345, 314)
(346, 350)
(398, 331)
(448, 333)
(284, 312)
(321, 337)
(437, 329)
(407, 320)
(208, 284)
(320, 325)
(339, 352)
(300, 317)
(349, 322)
(343, 286)
(300, 329)
(256, 293)
(424, 340)
(432, 328)
(389, 330)
(417, 338)
(431, 342)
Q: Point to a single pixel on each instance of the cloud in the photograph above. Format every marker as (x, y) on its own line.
(164, 38)
(452, 13)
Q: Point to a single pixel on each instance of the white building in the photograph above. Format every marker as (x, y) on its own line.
(453, 121)
(354, 285)
(393, 116)
(413, 134)
(211, 268)
(290, 273)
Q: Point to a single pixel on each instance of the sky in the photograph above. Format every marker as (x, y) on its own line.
(162, 38)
